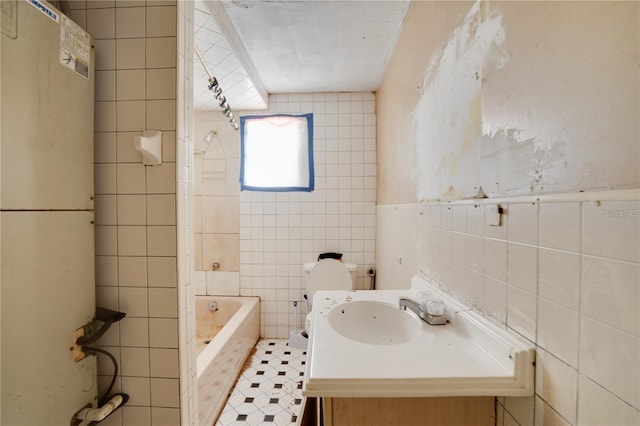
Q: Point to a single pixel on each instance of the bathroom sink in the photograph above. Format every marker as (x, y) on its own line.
(375, 323)
(362, 345)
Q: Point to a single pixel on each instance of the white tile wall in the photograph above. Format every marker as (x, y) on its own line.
(597, 406)
(281, 231)
(559, 277)
(558, 330)
(522, 312)
(547, 416)
(610, 358)
(564, 273)
(521, 266)
(610, 293)
(556, 384)
(136, 205)
(605, 230)
(264, 238)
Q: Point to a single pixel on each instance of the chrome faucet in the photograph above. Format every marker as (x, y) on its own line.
(405, 302)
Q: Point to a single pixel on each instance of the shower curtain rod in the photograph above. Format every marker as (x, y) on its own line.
(217, 92)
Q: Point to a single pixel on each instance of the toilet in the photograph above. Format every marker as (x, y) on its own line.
(327, 274)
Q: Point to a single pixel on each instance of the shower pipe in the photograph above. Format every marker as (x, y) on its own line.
(217, 92)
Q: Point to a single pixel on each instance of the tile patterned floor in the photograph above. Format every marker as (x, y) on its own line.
(269, 390)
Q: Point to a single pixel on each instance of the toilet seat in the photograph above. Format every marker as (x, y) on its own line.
(327, 274)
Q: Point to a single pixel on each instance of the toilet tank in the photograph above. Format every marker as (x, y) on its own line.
(351, 267)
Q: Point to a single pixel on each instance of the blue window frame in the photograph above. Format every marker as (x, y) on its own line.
(276, 152)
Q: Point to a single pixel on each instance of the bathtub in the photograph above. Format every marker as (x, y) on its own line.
(225, 339)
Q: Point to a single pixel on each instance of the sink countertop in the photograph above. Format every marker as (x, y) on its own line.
(470, 356)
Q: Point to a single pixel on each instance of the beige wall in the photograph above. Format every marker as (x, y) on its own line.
(427, 25)
(553, 108)
(516, 97)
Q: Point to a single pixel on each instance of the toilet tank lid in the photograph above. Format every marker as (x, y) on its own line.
(351, 267)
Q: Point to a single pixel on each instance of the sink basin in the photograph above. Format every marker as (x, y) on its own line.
(375, 323)
(362, 345)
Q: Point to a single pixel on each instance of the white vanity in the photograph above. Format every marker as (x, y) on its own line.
(368, 359)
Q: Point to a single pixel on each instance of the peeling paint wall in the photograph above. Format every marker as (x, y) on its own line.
(448, 117)
(522, 98)
(511, 97)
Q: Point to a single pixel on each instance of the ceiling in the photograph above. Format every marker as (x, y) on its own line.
(258, 47)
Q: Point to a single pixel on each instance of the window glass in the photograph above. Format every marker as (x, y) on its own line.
(276, 152)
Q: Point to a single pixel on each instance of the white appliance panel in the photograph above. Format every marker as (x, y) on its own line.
(46, 219)
(47, 292)
(47, 120)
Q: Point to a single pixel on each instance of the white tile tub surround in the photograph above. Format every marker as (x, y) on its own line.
(564, 272)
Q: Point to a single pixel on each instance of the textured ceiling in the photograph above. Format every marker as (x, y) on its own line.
(256, 47)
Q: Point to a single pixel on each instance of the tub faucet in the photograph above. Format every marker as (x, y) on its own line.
(405, 302)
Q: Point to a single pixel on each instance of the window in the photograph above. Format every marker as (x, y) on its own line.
(276, 153)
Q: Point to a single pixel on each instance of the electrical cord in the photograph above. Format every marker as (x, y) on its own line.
(105, 397)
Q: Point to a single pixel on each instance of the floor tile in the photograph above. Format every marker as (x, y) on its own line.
(269, 390)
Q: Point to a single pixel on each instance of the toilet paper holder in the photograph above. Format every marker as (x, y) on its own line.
(150, 146)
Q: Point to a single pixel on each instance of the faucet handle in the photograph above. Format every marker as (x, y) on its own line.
(422, 297)
(429, 304)
(434, 307)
